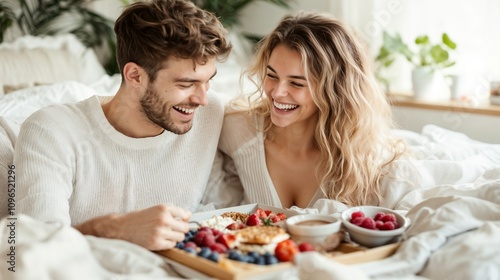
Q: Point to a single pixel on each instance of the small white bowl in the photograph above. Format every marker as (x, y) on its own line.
(313, 228)
(373, 238)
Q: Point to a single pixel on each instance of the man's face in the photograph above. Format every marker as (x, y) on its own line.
(172, 99)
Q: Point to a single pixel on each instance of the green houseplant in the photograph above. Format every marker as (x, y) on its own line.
(52, 17)
(427, 58)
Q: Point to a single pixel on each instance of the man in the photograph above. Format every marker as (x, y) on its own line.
(133, 166)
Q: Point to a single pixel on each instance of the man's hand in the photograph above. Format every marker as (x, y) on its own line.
(155, 228)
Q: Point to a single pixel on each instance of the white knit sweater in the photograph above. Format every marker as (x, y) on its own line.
(72, 165)
(242, 141)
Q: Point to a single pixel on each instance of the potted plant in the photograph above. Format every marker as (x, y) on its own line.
(228, 12)
(428, 59)
(51, 17)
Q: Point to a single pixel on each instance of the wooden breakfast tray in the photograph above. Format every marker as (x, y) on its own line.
(227, 269)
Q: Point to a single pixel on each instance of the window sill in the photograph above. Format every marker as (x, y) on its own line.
(404, 100)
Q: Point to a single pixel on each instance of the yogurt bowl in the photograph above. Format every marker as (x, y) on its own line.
(313, 228)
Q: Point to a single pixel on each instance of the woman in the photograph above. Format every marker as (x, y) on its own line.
(317, 126)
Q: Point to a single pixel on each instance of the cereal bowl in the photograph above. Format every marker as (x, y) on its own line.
(373, 237)
(313, 228)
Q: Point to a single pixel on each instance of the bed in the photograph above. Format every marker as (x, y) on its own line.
(455, 210)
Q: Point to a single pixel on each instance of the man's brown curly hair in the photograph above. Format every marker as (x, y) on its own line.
(151, 33)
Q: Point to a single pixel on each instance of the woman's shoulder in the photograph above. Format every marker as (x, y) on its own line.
(238, 129)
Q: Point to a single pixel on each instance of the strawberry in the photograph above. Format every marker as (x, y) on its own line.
(235, 226)
(306, 247)
(286, 250)
(268, 212)
(254, 220)
(274, 218)
(281, 216)
(227, 240)
(261, 213)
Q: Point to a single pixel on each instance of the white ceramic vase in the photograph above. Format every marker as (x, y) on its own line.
(426, 83)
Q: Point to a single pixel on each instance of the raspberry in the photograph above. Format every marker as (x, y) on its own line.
(200, 236)
(388, 226)
(219, 248)
(204, 229)
(216, 232)
(368, 223)
(379, 216)
(306, 247)
(379, 224)
(388, 218)
(357, 221)
(209, 240)
(356, 214)
(190, 244)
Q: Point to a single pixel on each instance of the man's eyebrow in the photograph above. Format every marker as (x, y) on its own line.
(292, 76)
(188, 80)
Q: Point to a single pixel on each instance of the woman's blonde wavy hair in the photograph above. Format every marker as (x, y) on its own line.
(353, 129)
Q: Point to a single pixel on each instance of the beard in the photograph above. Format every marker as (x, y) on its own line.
(158, 113)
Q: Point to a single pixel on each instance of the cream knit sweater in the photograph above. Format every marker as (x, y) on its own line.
(72, 165)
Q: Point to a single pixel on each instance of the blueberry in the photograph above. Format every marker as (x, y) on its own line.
(233, 255)
(250, 258)
(214, 257)
(189, 235)
(205, 252)
(179, 245)
(270, 259)
(190, 250)
(260, 260)
(244, 258)
(253, 254)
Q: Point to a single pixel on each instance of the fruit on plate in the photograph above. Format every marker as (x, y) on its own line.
(381, 221)
(254, 220)
(250, 238)
(286, 250)
(306, 247)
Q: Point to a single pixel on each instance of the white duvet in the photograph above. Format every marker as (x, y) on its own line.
(454, 208)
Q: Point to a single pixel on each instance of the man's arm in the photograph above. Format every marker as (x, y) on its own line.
(155, 228)
(44, 175)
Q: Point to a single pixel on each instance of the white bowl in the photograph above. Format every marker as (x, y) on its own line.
(313, 228)
(373, 238)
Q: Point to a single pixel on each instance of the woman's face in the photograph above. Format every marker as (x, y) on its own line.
(287, 89)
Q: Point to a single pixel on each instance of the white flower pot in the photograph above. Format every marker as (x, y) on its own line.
(426, 83)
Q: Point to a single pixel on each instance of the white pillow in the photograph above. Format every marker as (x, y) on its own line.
(31, 60)
(22, 103)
